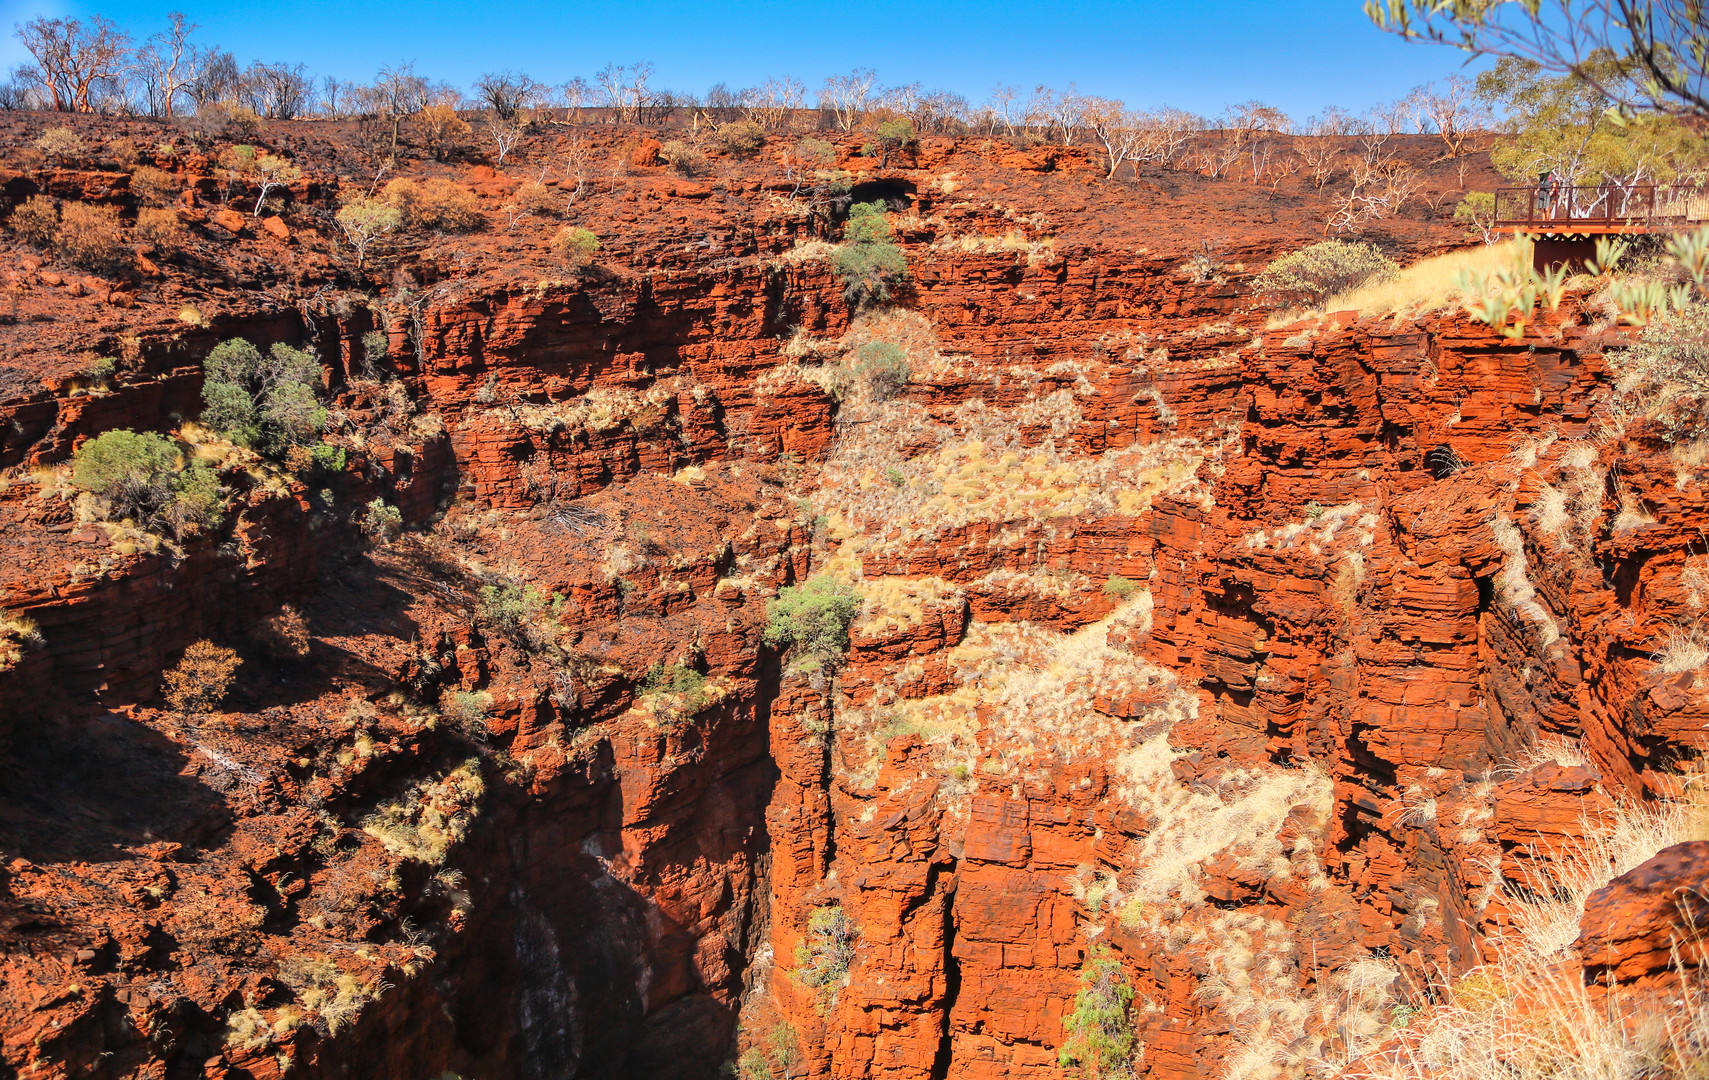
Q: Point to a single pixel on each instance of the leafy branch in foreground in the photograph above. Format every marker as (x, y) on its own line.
(1665, 43)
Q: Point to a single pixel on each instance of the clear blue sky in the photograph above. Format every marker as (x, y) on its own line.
(1299, 55)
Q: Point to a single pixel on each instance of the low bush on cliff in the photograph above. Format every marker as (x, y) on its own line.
(89, 237)
(436, 205)
(432, 817)
(16, 632)
(825, 953)
(1120, 588)
(1099, 1026)
(136, 475)
(740, 138)
(574, 246)
(264, 401)
(813, 618)
(161, 230)
(1323, 270)
(381, 521)
(62, 145)
(868, 262)
(675, 688)
(157, 187)
(520, 611)
(684, 159)
(885, 368)
(202, 678)
(35, 221)
(1665, 376)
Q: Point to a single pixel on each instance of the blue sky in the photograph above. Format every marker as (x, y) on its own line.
(1300, 56)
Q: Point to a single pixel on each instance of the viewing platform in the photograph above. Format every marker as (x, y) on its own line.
(1599, 210)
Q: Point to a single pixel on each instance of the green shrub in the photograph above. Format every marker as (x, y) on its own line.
(137, 476)
(1120, 587)
(507, 605)
(823, 957)
(893, 135)
(382, 521)
(374, 347)
(198, 499)
(813, 618)
(132, 471)
(262, 401)
(754, 1065)
(1324, 270)
(885, 368)
(815, 153)
(1478, 211)
(521, 611)
(1099, 1027)
(466, 706)
(574, 245)
(324, 459)
(868, 262)
(678, 686)
(100, 369)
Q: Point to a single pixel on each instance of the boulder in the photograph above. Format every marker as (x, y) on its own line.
(1633, 926)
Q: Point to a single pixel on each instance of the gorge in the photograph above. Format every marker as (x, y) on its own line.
(1260, 665)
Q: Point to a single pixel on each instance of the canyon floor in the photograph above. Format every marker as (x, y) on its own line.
(1272, 668)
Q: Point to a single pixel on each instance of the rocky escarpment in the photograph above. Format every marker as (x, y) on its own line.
(334, 809)
(1239, 656)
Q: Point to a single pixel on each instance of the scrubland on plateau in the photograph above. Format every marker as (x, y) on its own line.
(592, 581)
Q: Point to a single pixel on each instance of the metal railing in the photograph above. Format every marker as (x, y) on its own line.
(1600, 208)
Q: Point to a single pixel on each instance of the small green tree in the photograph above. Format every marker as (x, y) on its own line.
(783, 1047)
(814, 617)
(754, 1065)
(273, 172)
(265, 401)
(891, 136)
(1563, 126)
(868, 261)
(366, 220)
(1478, 211)
(1099, 1026)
